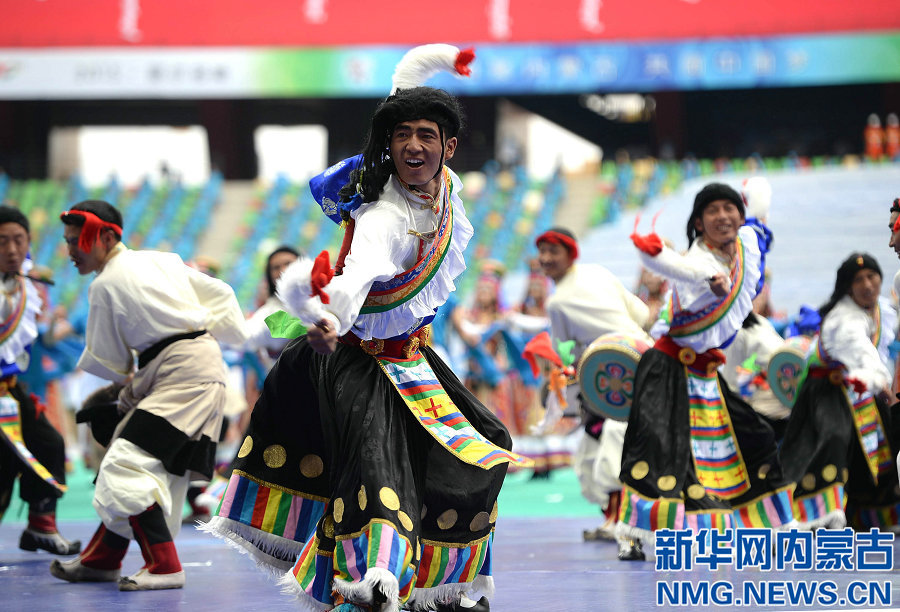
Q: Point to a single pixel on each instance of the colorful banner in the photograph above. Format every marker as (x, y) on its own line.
(295, 23)
(246, 72)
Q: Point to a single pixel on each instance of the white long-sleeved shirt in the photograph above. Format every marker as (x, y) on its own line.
(846, 335)
(382, 248)
(142, 297)
(690, 275)
(589, 301)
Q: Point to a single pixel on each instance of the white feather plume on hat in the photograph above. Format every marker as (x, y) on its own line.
(421, 63)
(757, 194)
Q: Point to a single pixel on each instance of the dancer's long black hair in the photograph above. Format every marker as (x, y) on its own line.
(404, 105)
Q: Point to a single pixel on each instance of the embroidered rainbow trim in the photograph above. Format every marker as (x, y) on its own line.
(11, 431)
(9, 326)
(423, 394)
(650, 514)
(443, 564)
(865, 519)
(269, 509)
(718, 462)
(773, 509)
(389, 294)
(870, 431)
(686, 323)
(820, 504)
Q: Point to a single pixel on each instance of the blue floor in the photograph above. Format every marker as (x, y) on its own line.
(540, 564)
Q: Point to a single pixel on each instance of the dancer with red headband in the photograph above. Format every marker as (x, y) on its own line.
(171, 407)
(696, 456)
(589, 302)
(31, 449)
(400, 466)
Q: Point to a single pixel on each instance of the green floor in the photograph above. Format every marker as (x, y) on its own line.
(557, 496)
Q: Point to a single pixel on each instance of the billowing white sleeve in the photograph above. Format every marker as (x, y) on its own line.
(380, 231)
(258, 333)
(636, 308)
(672, 265)
(850, 344)
(225, 321)
(559, 330)
(105, 352)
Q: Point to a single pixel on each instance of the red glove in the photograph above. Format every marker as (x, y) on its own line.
(649, 243)
(320, 276)
(463, 59)
(858, 385)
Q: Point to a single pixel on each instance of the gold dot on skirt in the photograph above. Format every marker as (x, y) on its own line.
(696, 491)
(480, 522)
(246, 447)
(763, 470)
(311, 466)
(829, 472)
(640, 469)
(405, 520)
(666, 483)
(389, 498)
(808, 482)
(275, 456)
(338, 506)
(361, 497)
(494, 512)
(328, 527)
(447, 519)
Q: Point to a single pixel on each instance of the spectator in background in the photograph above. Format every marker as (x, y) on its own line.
(873, 136)
(479, 327)
(261, 347)
(892, 137)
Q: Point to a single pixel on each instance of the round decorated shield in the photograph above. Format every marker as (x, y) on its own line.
(606, 374)
(786, 366)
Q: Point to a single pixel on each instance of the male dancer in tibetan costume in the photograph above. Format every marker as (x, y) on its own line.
(370, 474)
(695, 454)
(154, 304)
(894, 243)
(590, 302)
(30, 447)
(839, 446)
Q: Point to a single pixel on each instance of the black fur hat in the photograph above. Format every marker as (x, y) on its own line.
(709, 194)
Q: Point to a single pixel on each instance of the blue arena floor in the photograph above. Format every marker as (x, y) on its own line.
(541, 564)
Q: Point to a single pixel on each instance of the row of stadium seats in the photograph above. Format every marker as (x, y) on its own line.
(508, 208)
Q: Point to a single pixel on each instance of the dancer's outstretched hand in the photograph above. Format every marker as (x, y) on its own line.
(322, 337)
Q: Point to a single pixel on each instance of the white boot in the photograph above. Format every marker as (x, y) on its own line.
(143, 580)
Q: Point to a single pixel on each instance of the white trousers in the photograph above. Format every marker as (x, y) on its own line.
(597, 463)
(130, 481)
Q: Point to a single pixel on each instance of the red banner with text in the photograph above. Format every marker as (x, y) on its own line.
(299, 23)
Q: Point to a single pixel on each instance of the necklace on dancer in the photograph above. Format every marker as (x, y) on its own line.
(422, 201)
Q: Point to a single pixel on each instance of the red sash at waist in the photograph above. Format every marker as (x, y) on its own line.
(403, 348)
(708, 361)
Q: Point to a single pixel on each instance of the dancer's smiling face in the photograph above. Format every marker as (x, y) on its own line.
(719, 222)
(416, 149)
